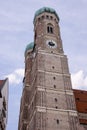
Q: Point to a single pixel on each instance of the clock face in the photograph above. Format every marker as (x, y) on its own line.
(51, 44)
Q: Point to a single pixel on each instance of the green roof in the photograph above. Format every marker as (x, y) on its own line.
(29, 46)
(45, 9)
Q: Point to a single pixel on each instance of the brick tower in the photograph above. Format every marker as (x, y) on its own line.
(47, 101)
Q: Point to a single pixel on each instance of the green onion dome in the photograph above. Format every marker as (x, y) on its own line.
(29, 47)
(45, 9)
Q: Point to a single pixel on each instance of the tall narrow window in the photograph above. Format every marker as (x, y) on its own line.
(50, 28)
(55, 99)
(57, 121)
(54, 78)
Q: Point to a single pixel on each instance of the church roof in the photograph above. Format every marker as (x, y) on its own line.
(29, 47)
(2, 83)
(45, 9)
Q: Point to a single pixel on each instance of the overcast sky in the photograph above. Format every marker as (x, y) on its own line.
(16, 31)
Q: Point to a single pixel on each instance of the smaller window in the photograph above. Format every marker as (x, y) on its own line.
(56, 107)
(47, 16)
(0, 94)
(54, 78)
(77, 99)
(54, 86)
(38, 19)
(50, 29)
(4, 103)
(57, 121)
(42, 17)
(4, 113)
(32, 105)
(51, 17)
(55, 19)
(53, 67)
(55, 99)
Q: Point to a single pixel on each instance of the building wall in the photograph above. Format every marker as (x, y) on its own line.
(81, 105)
(47, 101)
(4, 105)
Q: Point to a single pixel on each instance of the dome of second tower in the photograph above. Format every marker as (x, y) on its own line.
(45, 9)
(29, 47)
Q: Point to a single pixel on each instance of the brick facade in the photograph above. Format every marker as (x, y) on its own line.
(47, 101)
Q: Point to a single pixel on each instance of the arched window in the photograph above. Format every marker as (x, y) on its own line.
(50, 28)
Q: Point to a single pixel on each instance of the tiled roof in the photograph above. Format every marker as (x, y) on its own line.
(81, 103)
(81, 100)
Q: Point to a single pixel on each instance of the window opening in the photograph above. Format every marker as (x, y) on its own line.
(47, 16)
(32, 105)
(51, 17)
(55, 99)
(42, 17)
(4, 103)
(53, 67)
(0, 94)
(55, 19)
(4, 113)
(77, 99)
(38, 19)
(54, 86)
(54, 78)
(57, 121)
(56, 107)
(50, 29)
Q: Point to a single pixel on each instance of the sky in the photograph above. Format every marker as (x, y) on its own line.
(16, 31)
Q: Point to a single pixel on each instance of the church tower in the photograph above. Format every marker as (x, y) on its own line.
(47, 101)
